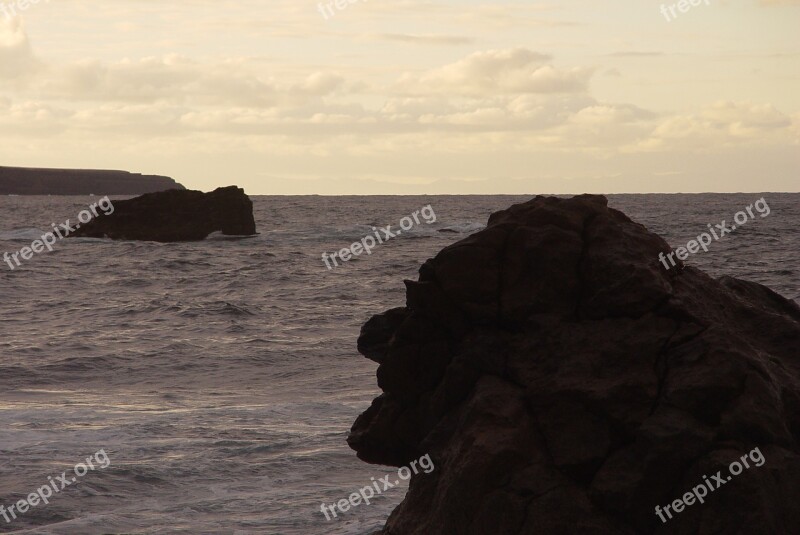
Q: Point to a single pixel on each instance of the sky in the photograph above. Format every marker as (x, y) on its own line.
(407, 96)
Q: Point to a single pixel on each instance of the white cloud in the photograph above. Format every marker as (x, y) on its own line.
(496, 72)
(724, 124)
(16, 55)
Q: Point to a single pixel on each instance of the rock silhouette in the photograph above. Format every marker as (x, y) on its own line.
(175, 215)
(33, 181)
(564, 382)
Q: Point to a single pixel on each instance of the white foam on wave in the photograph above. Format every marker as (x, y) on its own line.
(24, 234)
(463, 228)
(219, 236)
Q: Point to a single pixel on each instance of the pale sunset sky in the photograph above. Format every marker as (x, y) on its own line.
(407, 96)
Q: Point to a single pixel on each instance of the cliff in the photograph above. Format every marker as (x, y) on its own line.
(31, 181)
(563, 382)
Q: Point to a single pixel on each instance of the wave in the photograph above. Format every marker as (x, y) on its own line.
(219, 236)
(23, 234)
(356, 232)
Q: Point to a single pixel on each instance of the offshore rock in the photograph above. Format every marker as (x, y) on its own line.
(175, 216)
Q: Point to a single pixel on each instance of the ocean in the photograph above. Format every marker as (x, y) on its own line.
(221, 377)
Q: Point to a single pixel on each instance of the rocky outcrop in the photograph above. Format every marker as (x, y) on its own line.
(564, 382)
(31, 181)
(175, 215)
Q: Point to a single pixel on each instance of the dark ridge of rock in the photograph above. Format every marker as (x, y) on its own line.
(32, 181)
(175, 215)
(564, 382)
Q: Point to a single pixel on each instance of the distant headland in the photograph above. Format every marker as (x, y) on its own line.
(32, 181)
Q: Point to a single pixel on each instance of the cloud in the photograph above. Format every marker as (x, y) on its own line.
(634, 54)
(513, 15)
(779, 2)
(16, 55)
(178, 80)
(452, 40)
(723, 124)
(495, 72)
(514, 98)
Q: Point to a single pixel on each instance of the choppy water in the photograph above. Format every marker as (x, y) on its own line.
(222, 377)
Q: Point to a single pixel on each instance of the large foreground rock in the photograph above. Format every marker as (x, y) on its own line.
(564, 382)
(175, 215)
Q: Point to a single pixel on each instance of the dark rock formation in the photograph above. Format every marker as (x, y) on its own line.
(30, 181)
(175, 215)
(564, 382)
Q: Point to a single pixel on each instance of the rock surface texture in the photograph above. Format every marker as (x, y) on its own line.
(175, 215)
(31, 181)
(564, 382)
